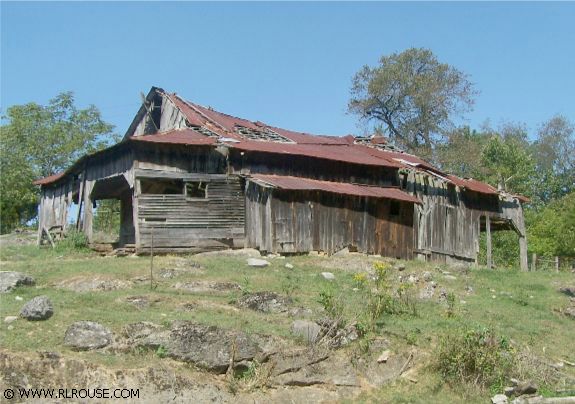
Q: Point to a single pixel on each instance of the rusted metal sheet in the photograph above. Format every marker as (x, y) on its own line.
(472, 185)
(306, 184)
(50, 179)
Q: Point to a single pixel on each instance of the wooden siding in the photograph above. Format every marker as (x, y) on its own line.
(298, 222)
(178, 221)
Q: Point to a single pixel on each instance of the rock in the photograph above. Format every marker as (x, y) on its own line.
(313, 253)
(449, 277)
(399, 267)
(568, 290)
(509, 391)
(328, 275)
(306, 329)
(427, 277)
(10, 319)
(209, 347)
(140, 330)
(266, 302)
(257, 263)
(427, 291)
(384, 356)
(207, 286)
(9, 280)
(87, 335)
(39, 308)
(242, 252)
(341, 253)
(469, 289)
(19, 298)
(93, 284)
(412, 279)
(570, 312)
(499, 399)
(288, 266)
(526, 387)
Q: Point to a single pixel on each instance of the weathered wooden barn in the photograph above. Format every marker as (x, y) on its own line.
(193, 179)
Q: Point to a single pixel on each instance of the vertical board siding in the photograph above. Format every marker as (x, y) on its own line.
(302, 221)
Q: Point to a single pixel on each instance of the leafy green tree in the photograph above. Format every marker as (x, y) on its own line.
(554, 153)
(38, 141)
(551, 231)
(411, 97)
(507, 159)
(461, 153)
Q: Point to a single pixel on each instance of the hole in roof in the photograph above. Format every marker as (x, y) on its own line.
(263, 135)
(204, 131)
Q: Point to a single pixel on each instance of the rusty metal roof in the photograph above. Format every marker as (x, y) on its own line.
(472, 185)
(50, 179)
(345, 153)
(285, 182)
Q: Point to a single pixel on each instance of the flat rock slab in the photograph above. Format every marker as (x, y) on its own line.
(265, 302)
(257, 262)
(87, 335)
(39, 308)
(308, 330)
(9, 280)
(207, 287)
(207, 347)
(95, 284)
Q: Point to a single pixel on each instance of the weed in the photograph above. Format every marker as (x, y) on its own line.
(331, 304)
(74, 241)
(161, 352)
(450, 299)
(475, 357)
(290, 285)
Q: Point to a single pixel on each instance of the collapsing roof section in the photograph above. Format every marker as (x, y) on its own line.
(208, 127)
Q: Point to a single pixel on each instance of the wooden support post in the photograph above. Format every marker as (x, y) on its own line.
(88, 210)
(534, 262)
(523, 264)
(488, 234)
(557, 264)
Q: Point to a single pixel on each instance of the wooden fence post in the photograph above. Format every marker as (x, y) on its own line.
(488, 234)
(534, 262)
(557, 264)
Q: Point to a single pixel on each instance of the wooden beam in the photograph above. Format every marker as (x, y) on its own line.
(524, 265)
(488, 233)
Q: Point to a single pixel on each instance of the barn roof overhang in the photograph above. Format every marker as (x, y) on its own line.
(290, 183)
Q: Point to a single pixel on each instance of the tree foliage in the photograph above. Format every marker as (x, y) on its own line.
(552, 229)
(38, 141)
(412, 97)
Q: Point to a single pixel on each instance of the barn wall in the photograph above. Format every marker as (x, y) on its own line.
(54, 203)
(181, 222)
(298, 222)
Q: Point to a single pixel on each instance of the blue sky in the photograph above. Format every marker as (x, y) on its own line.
(287, 64)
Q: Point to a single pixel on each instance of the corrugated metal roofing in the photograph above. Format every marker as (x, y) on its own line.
(306, 184)
(344, 153)
(473, 185)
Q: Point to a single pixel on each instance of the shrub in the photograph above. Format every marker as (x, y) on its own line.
(73, 241)
(474, 357)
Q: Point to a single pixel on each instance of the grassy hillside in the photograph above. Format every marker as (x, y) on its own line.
(522, 310)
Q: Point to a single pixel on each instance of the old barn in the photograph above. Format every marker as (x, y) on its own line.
(191, 179)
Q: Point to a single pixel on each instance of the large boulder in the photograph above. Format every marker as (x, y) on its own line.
(39, 308)
(266, 302)
(568, 290)
(87, 335)
(9, 280)
(207, 347)
(257, 262)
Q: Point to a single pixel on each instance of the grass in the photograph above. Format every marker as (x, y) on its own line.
(523, 309)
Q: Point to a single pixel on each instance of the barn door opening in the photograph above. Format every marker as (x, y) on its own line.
(498, 243)
(113, 216)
